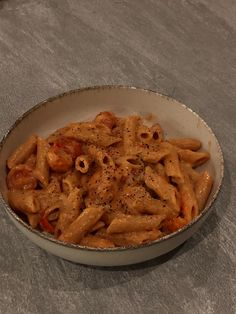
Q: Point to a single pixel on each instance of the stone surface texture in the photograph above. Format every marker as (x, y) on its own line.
(186, 49)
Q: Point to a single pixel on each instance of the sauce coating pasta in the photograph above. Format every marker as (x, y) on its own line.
(110, 182)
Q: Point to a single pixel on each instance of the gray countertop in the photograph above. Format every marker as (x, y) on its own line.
(186, 49)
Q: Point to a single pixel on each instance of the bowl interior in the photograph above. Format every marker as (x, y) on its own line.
(176, 120)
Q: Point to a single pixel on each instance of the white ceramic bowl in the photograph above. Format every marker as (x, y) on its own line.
(176, 119)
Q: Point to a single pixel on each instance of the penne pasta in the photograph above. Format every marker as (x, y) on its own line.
(71, 181)
(52, 138)
(163, 189)
(23, 152)
(203, 188)
(31, 161)
(97, 242)
(82, 225)
(49, 196)
(172, 166)
(130, 223)
(108, 216)
(100, 224)
(33, 220)
(139, 201)
(153, 156)
(101, 157)
(82, 163)
(53, 186)
(144, 134)
(186, 143)
(129, 135)
(93, 133)
(192, 173)
(160, 169)
(52, 212)
(188, 199)
(109, 182)
(157, 133)
(195, 159)
(41, 171)
(131, 238)
(128, 165)
(69, 210)
(102, 187)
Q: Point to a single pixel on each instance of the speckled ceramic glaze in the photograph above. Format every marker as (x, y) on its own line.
(176, 119)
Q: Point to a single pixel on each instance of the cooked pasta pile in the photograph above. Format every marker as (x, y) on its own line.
(107, 183)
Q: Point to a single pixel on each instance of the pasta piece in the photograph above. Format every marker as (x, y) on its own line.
(52, 212)
(131, 238)
(163, 189)
(31, 161)
(97, 242)
(70, 210)
(144, 134)
(53, 187)
(186, 143)
(33, 220)
(82, 225)
(70, 182)
(94, 133)
(49, 196)
(139, 201)
(55, 136)
(84, 180)
(100, 224)
(150, 136)
(134, 185)
(118, 131)
(203, 188)
(102, 187)
(21, 177)
(82, 163)
(157, 133)
(192, 173)
(115, 152)
(22, 153)
(41, 171)
(54, 215)
(49, 217)
(106, 118)
(108, 216)
(154, 156)
(105, 160)
(24, 201)
(172, 166)
(194, 158)
(160, 169)
(101, 157)
(130, 223)
(130, 161)
(129, 164)
(188, 199)
(46, 200)
(129, 136)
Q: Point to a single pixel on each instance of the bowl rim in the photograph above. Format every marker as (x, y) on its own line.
(48, 237)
